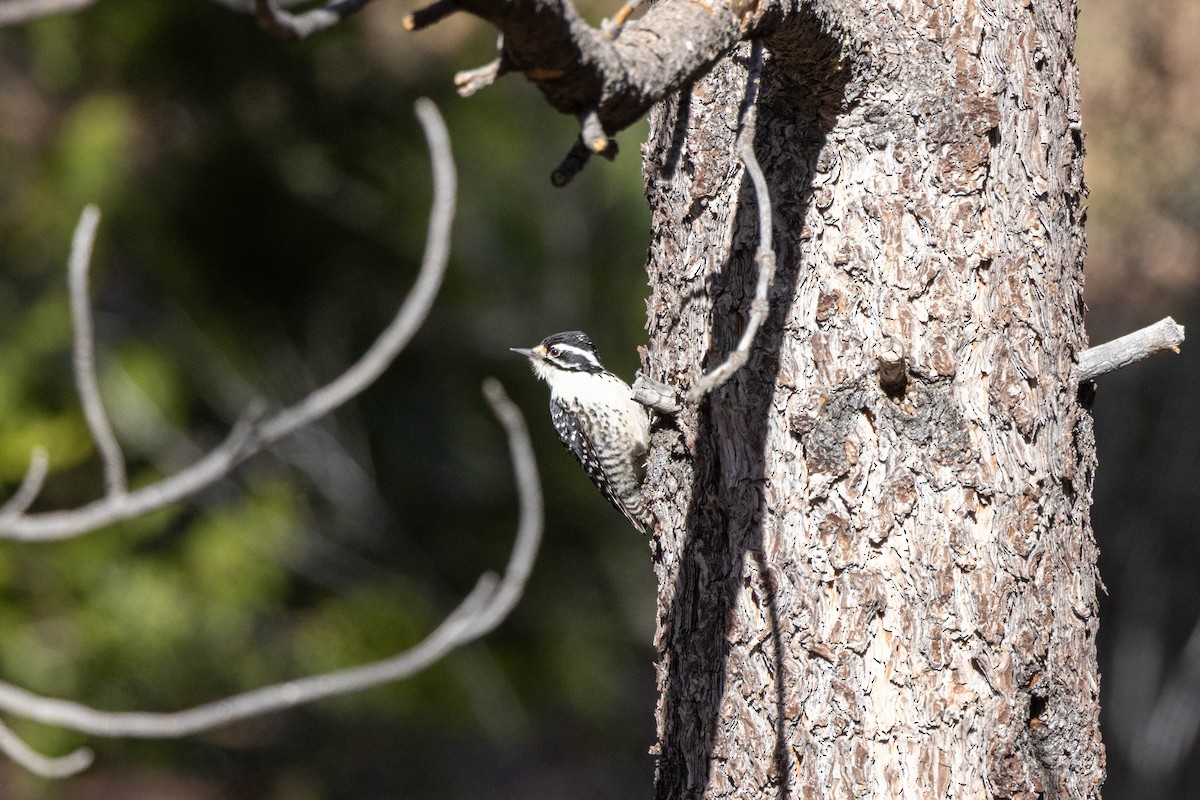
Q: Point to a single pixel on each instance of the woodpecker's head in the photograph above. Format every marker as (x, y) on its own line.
(561, 354)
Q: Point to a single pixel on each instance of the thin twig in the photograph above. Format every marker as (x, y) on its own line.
(43, 766)
(1166, 334)
(764, 257)
(241, 444)
(14, 12)
(273, 18)
(488, 604)
(612, 27)
(31, 485)
(85, 353)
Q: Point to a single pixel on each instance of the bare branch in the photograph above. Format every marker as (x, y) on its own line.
(14, 12)
(764, 257)
(85, 353)
(488, 604)
(43, 766)
(580, 69)
(249, 438)
(1166, 334)
(273, 18)
(30, 486)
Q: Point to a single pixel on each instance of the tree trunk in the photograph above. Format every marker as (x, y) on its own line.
(864, 592)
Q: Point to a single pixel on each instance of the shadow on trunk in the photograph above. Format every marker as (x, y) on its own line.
(724, 519)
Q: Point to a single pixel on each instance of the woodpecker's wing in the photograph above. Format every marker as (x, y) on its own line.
(615, 474)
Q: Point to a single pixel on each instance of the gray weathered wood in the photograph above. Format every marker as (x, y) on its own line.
(1164, 335)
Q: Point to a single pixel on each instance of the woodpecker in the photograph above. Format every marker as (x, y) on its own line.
(597, 419)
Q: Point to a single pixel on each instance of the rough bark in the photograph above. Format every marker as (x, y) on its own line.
(868, 592)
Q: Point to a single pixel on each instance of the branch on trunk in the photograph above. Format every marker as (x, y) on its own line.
(488, 604)
(252, 434)
(1166, 334)
(607, 82)
(655, 395)
(272, 17)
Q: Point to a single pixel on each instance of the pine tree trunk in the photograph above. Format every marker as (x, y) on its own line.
(863, 593)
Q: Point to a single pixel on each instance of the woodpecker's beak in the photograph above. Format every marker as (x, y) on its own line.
(538, 353)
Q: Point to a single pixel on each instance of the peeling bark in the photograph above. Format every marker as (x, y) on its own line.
(863, 592)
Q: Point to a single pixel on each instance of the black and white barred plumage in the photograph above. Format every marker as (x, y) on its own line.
(597, 420)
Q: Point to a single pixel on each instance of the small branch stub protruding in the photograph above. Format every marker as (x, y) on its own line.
(893, 366)
(430, 14)
(574, 161)
(469, 81)
(612, 27)
(1166, 334)
(655, 395)
(592, 132)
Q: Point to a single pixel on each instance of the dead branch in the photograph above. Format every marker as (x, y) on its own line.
(487, 605)
(252, 435)
(85, 353)
(655, 395)
(31, 486)
(14, 12)
(764, 257)
(606, 82)
(608, 78)
(43, 766)
(1166, 334)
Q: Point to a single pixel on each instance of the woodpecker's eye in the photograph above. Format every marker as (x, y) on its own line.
(556, 351)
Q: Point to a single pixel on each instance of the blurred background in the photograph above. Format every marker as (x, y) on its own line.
(264, 213)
